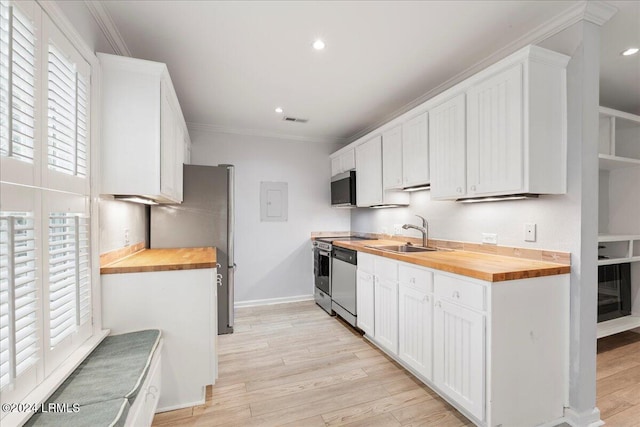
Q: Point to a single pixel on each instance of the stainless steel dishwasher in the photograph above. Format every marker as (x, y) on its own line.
(343, 284)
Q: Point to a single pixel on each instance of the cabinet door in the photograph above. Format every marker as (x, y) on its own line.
(386, 314)
(415, 318)
(369, 166)
(447, 149)
(415, 151)
(392, 158)
(458, 359)
(335, 166)
(365, 302)
(167, 147)
(348, 160)
(495, 135)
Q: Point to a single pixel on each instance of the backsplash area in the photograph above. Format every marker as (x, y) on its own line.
(122, 224)
(556, 217)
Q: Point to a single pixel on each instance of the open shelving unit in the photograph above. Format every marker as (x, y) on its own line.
(624, 248)
(618, 325)
(619, 223)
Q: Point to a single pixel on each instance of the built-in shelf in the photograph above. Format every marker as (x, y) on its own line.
(618, 325)
(607, 162)
(619, 164)
(627, 250)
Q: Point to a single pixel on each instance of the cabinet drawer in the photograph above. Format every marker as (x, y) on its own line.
(386, 269)
(459, 291)
(365, 262)
(416, 278)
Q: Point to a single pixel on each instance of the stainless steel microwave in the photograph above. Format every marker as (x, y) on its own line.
(343, 190)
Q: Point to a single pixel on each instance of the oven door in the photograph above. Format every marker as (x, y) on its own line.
(322, 270)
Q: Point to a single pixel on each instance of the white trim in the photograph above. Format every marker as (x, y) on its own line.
(204, 127)
(108, 27)
(589, 418)
(184, 405)
(587, 10)
(61, 21)
(271, 301)
(47, 387)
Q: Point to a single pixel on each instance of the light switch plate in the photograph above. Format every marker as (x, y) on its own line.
(529, 232)
(490, 238)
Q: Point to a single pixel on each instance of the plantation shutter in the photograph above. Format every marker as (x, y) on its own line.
(18, 296)
(17, 84)
(69, 275)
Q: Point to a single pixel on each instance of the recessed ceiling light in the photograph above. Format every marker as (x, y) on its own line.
(318, 44)
(279, 110)
(630, 51)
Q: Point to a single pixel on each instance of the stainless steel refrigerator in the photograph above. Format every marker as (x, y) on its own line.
(205, 218)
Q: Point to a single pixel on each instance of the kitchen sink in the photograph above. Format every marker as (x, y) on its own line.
(403, 248)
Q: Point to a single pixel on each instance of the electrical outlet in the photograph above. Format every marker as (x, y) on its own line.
(529, 232)
(126, 237)
(397, 228)
(490, 238)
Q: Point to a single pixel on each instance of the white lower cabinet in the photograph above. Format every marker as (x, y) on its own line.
(415, 310)
(487, 348)
(458, 359)
(386, 313)
(364, 302)
(183, 305)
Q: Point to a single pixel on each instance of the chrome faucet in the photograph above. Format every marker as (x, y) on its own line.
(424, 230)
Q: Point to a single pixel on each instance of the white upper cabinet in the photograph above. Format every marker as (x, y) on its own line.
(343, 162)
(392, 155)
(369, 186)
(415, 151)
(447, 149)
(143, 130)
(500, 132)
(495, 143)
(517, 126)
(405, 154)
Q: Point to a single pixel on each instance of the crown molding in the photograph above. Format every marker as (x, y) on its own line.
(108, 27)
(597, 12)
(209, 128)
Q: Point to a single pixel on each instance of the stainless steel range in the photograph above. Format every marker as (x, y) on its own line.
(335, 277)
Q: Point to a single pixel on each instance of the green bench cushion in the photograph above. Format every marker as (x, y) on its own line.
(115, 369)
(112, 374)
(108, 413)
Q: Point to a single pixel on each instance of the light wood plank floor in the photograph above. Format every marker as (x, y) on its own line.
(293, 365)
(618, 379)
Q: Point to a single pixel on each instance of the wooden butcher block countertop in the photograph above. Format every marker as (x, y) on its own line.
(491, 268)
(163, 260)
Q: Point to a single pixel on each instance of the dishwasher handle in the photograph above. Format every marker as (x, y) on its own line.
(345, 255)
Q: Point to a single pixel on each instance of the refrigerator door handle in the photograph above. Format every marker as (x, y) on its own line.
(230, 282)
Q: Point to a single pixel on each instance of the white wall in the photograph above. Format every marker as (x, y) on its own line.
(274, 258)
(115, 218)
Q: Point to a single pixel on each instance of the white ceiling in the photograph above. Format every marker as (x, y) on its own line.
(233, 62)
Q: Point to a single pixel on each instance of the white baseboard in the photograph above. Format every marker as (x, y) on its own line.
(270, 301)
(589, 418)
